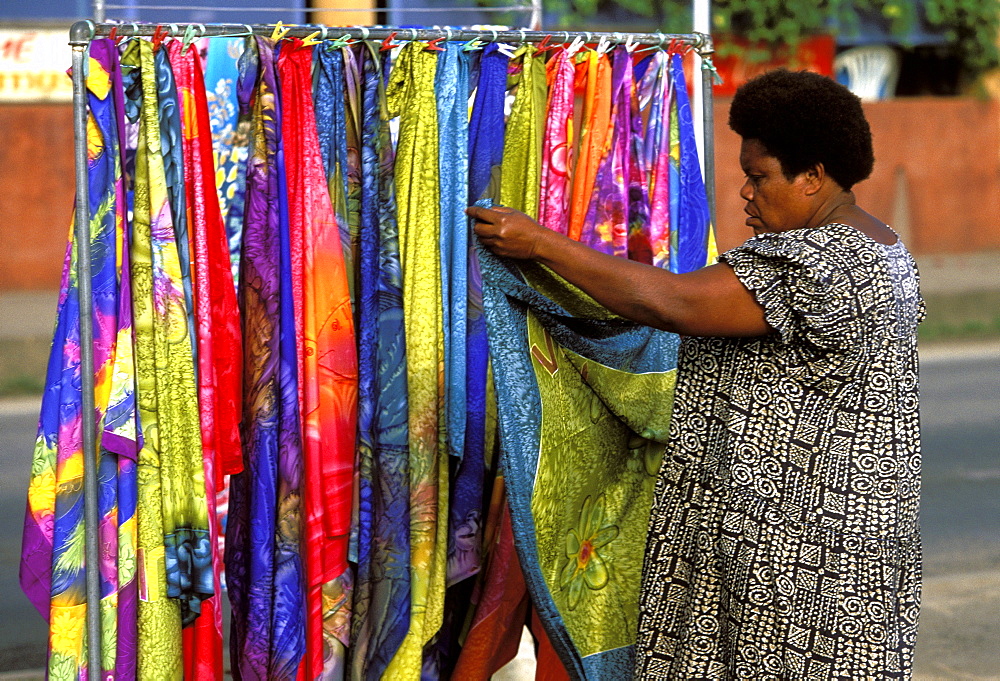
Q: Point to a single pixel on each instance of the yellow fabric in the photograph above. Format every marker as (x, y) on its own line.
(410, 95)
(520, 184)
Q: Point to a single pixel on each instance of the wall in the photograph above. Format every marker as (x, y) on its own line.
(936, 177)
(936, 180)
(36, 203)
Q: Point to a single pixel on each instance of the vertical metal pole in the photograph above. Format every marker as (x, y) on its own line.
(99, 11)
(708, 122)
(701, 15)
(80, 36)
(536, 15)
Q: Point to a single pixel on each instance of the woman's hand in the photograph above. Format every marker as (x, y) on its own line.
(508, 232)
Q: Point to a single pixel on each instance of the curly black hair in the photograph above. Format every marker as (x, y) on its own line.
(803, 118)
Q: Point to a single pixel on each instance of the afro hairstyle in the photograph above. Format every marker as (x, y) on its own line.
(803, 118)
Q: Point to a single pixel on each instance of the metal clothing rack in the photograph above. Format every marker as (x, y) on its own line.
(81, 35)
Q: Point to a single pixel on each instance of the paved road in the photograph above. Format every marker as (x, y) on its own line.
(960, 625)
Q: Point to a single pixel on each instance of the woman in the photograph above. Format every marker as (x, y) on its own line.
(784, 538)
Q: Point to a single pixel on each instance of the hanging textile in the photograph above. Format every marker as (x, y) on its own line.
(410, 95)
(611, 213)
(594, 78)
(557, 152)
(218, 337)
(175, 572)
(327, 365)
(522, 152)
(52, 568)
(394, 514)
(229, 137)
(580, 447)
(331, 128)
(264, 561)
(654, 95)
(382, 595)
(692, 244)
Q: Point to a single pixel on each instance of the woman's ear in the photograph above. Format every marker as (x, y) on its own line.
(814, 177)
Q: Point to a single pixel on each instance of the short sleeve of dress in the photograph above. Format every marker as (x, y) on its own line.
(803, 281)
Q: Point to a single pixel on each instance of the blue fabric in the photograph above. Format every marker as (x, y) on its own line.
(331, 126)
(487, 121)
(692, 211)
(229, 139)
(381, 616)
(451, 90)
(611, 341)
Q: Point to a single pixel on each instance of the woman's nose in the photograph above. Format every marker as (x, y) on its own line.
(746, 191)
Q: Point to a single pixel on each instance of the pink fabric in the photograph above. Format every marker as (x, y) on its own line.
(557, 149)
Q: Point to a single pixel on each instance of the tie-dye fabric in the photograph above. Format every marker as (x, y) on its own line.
(52, 568)
(594, 78)
(654, 96)
(557, 151)
(382, 595)
(692, 244)
(328, 365)
(263, 556)
(410, 95)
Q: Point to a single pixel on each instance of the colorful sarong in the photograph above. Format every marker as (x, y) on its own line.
(581, 444)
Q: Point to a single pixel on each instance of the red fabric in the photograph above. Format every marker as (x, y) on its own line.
(548, 666)
(218, 338)
(328, 369)
(501, 612)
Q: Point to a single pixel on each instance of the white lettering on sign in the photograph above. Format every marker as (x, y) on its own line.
(33, 66)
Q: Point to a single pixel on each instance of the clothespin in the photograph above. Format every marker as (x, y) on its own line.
(113, 34)
(158, 35)
(432, 45)
(544, 45)
(631, 43)
(575, 46)
(189, 37)
(474, 44)
(338, 43)
(279, 32)
(603, 45)
(310, 39)
(505, 49)
(387, 43)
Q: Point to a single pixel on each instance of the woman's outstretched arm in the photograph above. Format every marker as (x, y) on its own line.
(708, 302)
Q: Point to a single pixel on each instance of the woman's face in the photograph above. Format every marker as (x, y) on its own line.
(774, 203)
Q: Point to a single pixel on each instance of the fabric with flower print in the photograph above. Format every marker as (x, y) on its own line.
(52, 567)
(264, 562)
(557, 151)
(218, 338)
(654, 93)
(593, 77)
(328, 367)
(692, 242)
(410, 96)
(230, 137)
(382, 595)
(580, 446)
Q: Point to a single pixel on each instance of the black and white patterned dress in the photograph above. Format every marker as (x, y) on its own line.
(784, 540)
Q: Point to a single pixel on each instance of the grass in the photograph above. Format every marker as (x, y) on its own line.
(961, 316)
(950, 318)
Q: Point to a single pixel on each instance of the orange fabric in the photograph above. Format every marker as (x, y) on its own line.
(594, 75)
(548, 666)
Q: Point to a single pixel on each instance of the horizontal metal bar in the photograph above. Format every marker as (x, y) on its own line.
(701, 42)
(205, 8)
